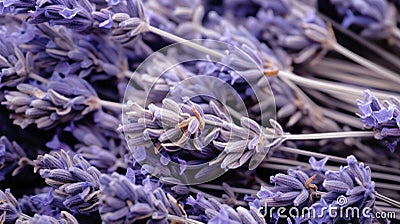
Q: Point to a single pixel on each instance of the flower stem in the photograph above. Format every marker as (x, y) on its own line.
(362, 61)
(329, 135)
(394, 60)
(326, 86)
(387, 200)
(396, 33)
(111, 105)
(191, 44)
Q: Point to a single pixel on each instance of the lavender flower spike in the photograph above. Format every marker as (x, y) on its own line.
(121, 201)
(377, 19)
(75, 181)
(60, 101)
(295, 188)
(383, 117)
(9, 210)
(64, 218)
(352, 182)
(11, 155)
(212, 211)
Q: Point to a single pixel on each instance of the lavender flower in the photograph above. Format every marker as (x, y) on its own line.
(40, 203)
(352, 181)
(124, 202)
(15, 65)
(75, 181)
(104, 160)
(375, 18)
(190, 134)
(383, 118)
(211, 211)
(295, 188)
(61, 100)
(64, 217)
(124, 20)
(297, 30)
(11, 156)
(9, 210)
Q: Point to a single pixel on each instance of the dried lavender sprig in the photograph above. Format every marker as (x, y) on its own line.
(64, 217)
(241, 149)
(295, 163)
(9, 210)
(311, 28)
(12, 157)
(383, 118)
(393, 59)
(75, 181)
(61, 100)
(354, 181)
(212, 211)
(121, 201)
(376, 19)
(333, 158)
(15, 65)
(330, 87)
(124, 25)
(150, 124)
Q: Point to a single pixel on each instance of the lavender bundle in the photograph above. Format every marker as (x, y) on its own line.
(183, 111)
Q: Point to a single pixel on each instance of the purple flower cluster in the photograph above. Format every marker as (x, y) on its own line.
(351, 186)
(382, 117)
(375, 18)
(174, 111)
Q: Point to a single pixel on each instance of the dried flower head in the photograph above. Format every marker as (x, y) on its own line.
(59, 101)
(382, 117)
(74, 180)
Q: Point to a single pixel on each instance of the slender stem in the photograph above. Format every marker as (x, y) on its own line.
(334, 158)
(354, 79)
(362, 61)
(38, 78)
(326, 86)
(345, 66)
(329, 135)
(394, 60)
(111, 105)
(387, 200)
(342, 118)
(186, 42)
(396, 32)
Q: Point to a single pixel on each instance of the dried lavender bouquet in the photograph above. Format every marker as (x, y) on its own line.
(176, 111)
